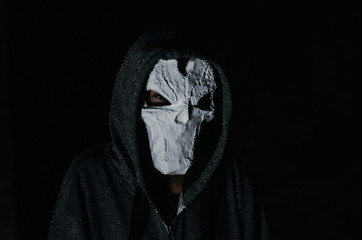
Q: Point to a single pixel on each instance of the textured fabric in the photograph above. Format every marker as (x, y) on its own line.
(111, 191)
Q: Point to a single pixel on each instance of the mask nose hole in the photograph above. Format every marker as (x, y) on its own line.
(183, 117)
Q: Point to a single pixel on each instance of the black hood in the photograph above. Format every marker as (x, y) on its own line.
(128, 97)
(112, 191)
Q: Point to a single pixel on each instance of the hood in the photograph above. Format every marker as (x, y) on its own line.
(128, 148)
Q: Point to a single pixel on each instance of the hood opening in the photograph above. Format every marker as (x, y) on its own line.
(155, 183)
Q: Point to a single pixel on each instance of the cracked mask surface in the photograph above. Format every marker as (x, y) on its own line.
(173, 128)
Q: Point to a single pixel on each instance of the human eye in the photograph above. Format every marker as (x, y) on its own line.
(154, 98)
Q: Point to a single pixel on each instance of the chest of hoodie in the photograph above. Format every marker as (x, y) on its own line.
(186, 224)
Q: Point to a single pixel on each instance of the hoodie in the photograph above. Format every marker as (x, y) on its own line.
(112, 191)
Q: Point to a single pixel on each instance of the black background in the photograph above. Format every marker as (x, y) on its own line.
(294, 71)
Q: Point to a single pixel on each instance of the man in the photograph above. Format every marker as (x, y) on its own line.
(167, 173)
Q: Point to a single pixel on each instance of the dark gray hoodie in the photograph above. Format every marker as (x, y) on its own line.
(113, 191)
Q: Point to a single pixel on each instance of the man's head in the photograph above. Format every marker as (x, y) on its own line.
(179, 99)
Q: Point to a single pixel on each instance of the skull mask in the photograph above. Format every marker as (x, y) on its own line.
(173, 123)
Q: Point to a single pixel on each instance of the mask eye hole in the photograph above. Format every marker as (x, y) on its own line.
(205, 102)
(154, 98)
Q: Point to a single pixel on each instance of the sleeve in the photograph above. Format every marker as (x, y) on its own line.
(69, 220)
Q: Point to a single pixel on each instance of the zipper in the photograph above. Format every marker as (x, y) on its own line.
(171, 235)
(170, 228)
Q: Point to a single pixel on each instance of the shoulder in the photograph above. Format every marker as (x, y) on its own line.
(90, 157)
(86, 169)
(80, 177)
(87, 164)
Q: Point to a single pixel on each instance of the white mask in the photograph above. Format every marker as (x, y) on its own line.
(172, 129)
